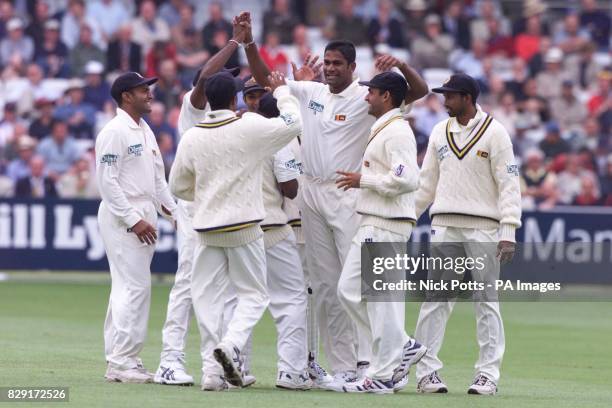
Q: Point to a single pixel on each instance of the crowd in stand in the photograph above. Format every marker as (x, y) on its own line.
(545, 73)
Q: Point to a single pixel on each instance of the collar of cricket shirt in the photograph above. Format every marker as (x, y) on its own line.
(455, 127)
(384, 118)
(348, 91)
(126, 118)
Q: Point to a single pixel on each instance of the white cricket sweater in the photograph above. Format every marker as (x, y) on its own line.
(470, 175)
(389, 175)
(218, 165)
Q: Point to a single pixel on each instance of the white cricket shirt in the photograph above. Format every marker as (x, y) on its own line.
(190, 115)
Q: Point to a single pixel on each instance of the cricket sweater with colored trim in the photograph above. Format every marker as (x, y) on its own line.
(470, 175)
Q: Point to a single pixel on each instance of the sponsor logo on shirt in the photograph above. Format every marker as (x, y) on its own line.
(136, 149)
(512, 169)
(288, 118)
(482, 154)
(109, 159)
(399, 170)
(340, 117)
(442, 152)
(315, 106)
(293, 164)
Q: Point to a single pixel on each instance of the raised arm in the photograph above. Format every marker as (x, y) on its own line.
(258, 67)
(417, 85)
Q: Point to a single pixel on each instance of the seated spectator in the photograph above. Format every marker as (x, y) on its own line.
(84, 52)
(20, 167)
(35, 29)
(597, 102)
(37, 184)
(41, 126)
(588, 194)
(213, 27)
(571, 179)
(527, 44)
(597, 23)
(553, 144)
(52, 53)
(157, 121)
(9, 121)
(470, 62)
(456, 24)
(498, 44)
(123, 54)
(170, 11)
(480, 27)
(110, 15)
(385, 28)
(185, 25)
(429, 114)
(517, 81)
(97, 90)
(161, 51)
(219, 40)
(346, 24)
(280, 20)
(73, 19)
(166, 149)
(300, 46)
(190, 57)
(432, 49)
(414, 19)
(78, 182)
(549, 81)
(16, 44)
(532, 102)
(272, 55)
(533, 11)
(581, 67)
(78, 114)
(148, 28)
(568, 36)
(568, 111)
(506, 112)
(538, 185)
(59, 150)
(168, 88)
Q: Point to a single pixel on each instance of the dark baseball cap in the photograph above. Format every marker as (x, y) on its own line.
(250, 85)
(461, 83)
(234, 71)
(221, 87)
(268, 107)
(388, 81)
(128, 81)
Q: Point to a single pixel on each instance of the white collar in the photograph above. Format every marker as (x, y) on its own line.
(456, 127)
(348, 91)
(386, 117)
(129, 120)
(218, 115)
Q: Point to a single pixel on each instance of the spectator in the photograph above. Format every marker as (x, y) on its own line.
(588, 194)
(537, 62)
(79, 115)
(190, 56)
(7, 125)
(597, 22)
(527, 44)
(506, 112)
(97, 90)
(157, 121)
(596, 103)
(219, 40)
(414, 19)
(538, 185)
(569, 37)
(280, 20)
(549, 81)
(581, 67)
(110, 14)
(470, 62)
(534, 104)
(148, 28)
(300, 46)
(37, 184)
(456, 24)
(170, 11)
(41, 126)
(593, 139)
(76, 17)
(429, 114)
(78, 182)
(346, 24)
(166, 149)
(517, 81)
(123, 54)
(20, 167)
(16, 44)
(272, 55)
(84, 52)
(35, 29)
(432, 49)
(533, 10)
(553, 144)
(168, 88)
(215, 25)
(161, 51)
(385, 28)
(480, 27)
(59, 150)
(498, 44)
(185, 24)
(6, 13)
(570, 180)
(567, 110)
(52, 53)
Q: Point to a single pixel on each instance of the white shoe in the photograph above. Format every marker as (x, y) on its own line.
(294, 381)
(172, 373)
(248, 380)
(141, 367)
(483, 385)
(130, 375)
(400, 385)
(432, 383)
(341, 379)
(229, 358)
(362, 367)
(214, 383)
(370, 386)
(412, 353)
(320, 378)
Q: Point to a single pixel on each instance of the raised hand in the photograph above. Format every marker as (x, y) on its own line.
(309, 71)
(385, 62)
(241, 26)
(276, 79)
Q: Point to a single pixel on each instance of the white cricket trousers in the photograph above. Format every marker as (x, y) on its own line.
(175, 329)
(127, 316)
(433, 316)
(215, 270)
(288, 303)
(384, 321)
(330, 222)
(312, 328)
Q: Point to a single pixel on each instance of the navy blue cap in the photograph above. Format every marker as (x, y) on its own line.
(250, 85)
(268, 107)
(552, 127)
(234, 71)
(462, 83)
(221, 87)
(128, 81)
(388, 81)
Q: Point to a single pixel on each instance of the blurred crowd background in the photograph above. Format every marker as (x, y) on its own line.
(544, 68)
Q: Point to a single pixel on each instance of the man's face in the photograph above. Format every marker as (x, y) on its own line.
(60, 132)
(141, 99)
(336, 69)
(455, 103)
(251, 99)
(376, 100)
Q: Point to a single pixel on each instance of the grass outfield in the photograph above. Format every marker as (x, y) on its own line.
(557, 355)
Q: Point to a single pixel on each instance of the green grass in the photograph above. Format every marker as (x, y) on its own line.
(557, 355)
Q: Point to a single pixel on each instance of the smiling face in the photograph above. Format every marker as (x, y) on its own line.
(455, 103)
(140, 98)
(378, 100)
(251, 99)
(338, 72)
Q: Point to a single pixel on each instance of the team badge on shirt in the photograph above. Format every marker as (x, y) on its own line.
(442, 152)
(340, 117)
(399, 170)
(109, 159)
(136, 149)
(315, 106)
(512, 169)
(482, 154)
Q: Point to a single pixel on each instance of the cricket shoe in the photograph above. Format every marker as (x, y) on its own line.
(248, 380)
(142, 368)
(483, 385)
(412, 353)
(362, 367)
(214, 383)
(368, 385)
(400, 385)
(432, 383)
(172, 373)
(131, 375)
(229, 358)
(341, 379)
(294, 381)
(320, 378)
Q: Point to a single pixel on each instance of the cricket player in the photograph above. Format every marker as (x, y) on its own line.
(336, 129)
(171, 368)
(218, 165)
(386, 185)
(470, 175)
(131, 181)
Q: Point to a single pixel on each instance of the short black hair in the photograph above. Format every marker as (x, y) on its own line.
(396, 96)
(344, 47)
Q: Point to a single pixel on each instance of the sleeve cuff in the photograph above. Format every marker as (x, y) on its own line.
(131, 219)
(368, 181)
(281, 91)
(507, 232)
